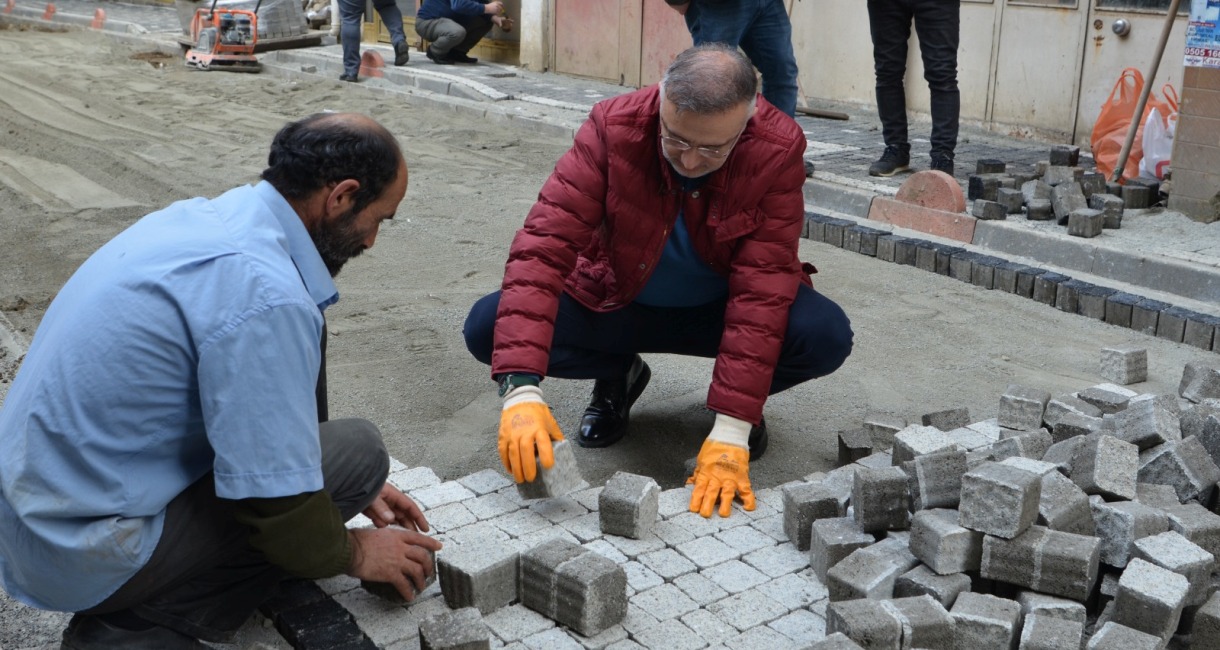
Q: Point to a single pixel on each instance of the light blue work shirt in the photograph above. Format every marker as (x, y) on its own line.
(189, 343)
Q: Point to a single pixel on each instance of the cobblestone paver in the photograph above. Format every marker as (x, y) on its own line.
(697, 583)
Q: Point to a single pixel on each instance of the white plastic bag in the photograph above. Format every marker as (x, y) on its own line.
(1158, 144)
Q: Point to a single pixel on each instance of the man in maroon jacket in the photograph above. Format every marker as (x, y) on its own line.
(670, 226)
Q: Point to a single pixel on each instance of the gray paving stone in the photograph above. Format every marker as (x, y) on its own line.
(831, 540)
(1172, 551)
(922, 581)
(709, 628)
(558, 509)
(757, 638)
(1124, 364)
(438, 495)
(1197, 524)
(481, 532)
(606, 550)
(1042, 632)
(1205, 633)
(943, 545)
(489, 506)
(586, 527)
(485, 481)
(1145, 423)
(700, 588)
(806, 502)
(449, 517)
(863, 575)
(708, 551)
(416, 478)
(745, 538)
(999, 500)
(925, 622)
(984, 621)
(461, 629)
(1022, 407)
(795, 590)
(772, 527)
(633, 548)
(935, 479)
(836, 641)
(1150, 598)
(1113, 636)
(1107, 466)
(552, 639)
(673, 502)
(1049, 561)
(1064, 506)
(637, 619)
(667, 563)
(777, 560)
(1185, 465)
(483, 577)
(801, 627)
(864, 621)
(880, 499)
(695, 524)
(1200, 381)
(1034, 603)
(561, 478)
(1119, 524)
(532, 539)
(588, 497)
(640, 577)
(735, 576)
(664, 602)
(747, 609)
(604, 639)
(628, 505)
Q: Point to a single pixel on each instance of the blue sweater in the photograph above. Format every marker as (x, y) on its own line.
(451, 9)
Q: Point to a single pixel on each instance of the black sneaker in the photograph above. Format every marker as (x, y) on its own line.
(402, 53)
(348, 77)
(462, 57)
(436, 58)
(897, 158)
(809, 168)
(942, 163)
(92, 633)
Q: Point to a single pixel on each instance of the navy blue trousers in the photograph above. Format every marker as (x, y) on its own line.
(596, 345)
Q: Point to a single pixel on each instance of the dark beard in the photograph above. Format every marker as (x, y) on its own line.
(338, 241)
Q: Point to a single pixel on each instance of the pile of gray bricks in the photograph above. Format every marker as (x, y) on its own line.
(1083, 520)
(1060, 189)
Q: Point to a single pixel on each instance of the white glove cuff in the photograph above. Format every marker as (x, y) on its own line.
(730, 430)
(522, 394)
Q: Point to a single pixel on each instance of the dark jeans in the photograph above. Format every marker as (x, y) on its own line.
(454, 36)
(937, 26)
(762, 30)
(204, 579)
(593, 345)
(351, 13)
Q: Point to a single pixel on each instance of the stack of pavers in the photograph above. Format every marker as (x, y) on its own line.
(1081, 520)
(1059, 189)
(1074, 519)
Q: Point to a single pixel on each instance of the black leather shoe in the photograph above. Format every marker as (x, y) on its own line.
(605, 421)
(349, 78)
(462, 57)
(93, 633)
(436, 58)
(402, 53)
(758, 439)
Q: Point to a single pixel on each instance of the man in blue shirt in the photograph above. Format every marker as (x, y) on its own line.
(455, 26)
(162, 464)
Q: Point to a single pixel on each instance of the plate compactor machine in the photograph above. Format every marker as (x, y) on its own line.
(224, 39)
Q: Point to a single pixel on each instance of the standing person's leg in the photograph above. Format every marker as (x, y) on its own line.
(768, 42)
(889, 23)
(937, 23)
(204, 580)
(391, 15)
(351, 13)
(718, 22)
(476, 28)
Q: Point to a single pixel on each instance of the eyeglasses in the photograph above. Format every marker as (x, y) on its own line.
(714, 153)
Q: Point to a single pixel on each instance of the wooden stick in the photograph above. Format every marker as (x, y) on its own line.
(1137, 119)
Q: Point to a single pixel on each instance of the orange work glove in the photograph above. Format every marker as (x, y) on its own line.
(722, 468)
(525, 424)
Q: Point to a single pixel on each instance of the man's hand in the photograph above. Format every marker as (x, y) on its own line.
(400, 557)
(680, 7)
(526, 424)
(393, 507)
(722, 468)
(495, 7)
(503, 22)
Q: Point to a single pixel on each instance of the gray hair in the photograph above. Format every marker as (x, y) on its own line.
(709, 79)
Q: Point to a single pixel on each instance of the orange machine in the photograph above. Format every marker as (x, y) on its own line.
(224, 39)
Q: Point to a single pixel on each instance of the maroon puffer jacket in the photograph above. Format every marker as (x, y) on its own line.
(601, 222)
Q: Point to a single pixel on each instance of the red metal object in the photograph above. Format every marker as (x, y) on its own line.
(99, 18)
(46, 15)
(224, 39)
(8, 6)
